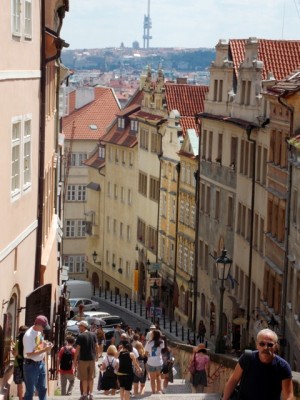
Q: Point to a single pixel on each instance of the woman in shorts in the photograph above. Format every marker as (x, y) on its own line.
(139, 378)
(153, 350)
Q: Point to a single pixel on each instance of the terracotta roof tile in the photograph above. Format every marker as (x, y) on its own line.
(187, 99)
(92, 120)
(188, 123)
(280, 57)
(148, 116)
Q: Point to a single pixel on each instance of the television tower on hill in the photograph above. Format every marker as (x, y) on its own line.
(147, 27)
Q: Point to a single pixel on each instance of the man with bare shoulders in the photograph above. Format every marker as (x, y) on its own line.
(266, 375)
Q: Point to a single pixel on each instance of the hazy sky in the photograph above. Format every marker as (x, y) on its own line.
(178, 23)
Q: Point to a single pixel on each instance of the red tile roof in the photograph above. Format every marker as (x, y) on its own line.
(280, 57)
(99, 113)
(187, 99)
(286, 87)
(188, 123)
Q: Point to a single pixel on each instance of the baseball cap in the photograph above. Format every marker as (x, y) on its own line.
(83, 323)
(42, 321)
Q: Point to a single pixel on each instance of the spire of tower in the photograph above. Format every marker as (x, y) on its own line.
(147, 27)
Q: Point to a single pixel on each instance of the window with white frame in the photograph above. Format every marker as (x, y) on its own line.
(15, 157)
(77, 159)
(134, 125)
(27, 19)
(76, 193)
(27, 153)
(20, 154)
(16, 17)
(75, 228)
(75, 263)
(185, 258)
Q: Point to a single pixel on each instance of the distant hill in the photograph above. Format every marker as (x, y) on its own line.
(109, 59)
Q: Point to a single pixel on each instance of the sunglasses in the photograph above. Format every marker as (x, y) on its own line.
(264, 344)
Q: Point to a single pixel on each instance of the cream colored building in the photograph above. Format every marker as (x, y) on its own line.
(112, 200)
(90, 112)
(233, 183)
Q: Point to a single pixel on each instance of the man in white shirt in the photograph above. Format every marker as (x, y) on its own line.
(35, 348)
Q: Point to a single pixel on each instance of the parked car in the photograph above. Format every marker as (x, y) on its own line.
(74, 329)
(91, 314)
(112, 320)
(108, 323)
(89, 305)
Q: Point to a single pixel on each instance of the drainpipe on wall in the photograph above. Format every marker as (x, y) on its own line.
(287, 225)
(248, 132)
(41, 168)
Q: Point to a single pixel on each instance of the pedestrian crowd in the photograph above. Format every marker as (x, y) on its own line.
(132, 357)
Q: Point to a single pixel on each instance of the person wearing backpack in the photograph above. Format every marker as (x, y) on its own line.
(18, 363)
(65, 366)
(108, 369)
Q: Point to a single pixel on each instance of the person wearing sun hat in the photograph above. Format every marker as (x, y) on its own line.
(35, 348)
(199, 368)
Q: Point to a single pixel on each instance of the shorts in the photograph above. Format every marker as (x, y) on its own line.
(153, 369)
(18, 375)
(86, 370)
(140, 379)
(125, 381)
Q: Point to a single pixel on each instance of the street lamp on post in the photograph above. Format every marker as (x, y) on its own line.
(223, 264)
(154, 294)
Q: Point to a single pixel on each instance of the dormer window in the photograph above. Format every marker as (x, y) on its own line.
(121, 123)
(134, 125)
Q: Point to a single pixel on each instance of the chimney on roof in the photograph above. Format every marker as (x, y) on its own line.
(181, 81)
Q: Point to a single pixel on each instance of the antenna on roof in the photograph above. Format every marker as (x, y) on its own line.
(147, 27)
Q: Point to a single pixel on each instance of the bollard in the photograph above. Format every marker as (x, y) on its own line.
(188, 334)
(134, 307)
(126, 298)
(176, 329)
(130, 304)
(111, 296)
(194, 338)
(105, 294)
(170, 326)
(141, 309)
(182, 333)
(164, 321)
(116, 296)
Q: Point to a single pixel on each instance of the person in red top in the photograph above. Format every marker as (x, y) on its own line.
(65, 366)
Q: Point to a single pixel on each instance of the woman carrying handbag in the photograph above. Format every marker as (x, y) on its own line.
(199, 369)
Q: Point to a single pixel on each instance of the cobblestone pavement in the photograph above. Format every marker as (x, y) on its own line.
(179, 389)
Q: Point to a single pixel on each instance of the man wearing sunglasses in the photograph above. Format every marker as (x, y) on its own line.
(263, 375)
